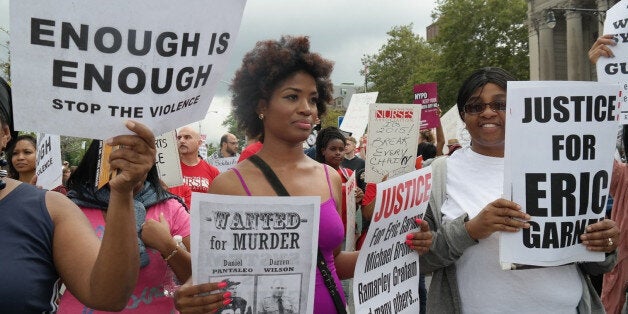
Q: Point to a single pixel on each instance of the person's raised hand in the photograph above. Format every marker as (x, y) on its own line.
(600, 48)
(134, 157)
(499, 215)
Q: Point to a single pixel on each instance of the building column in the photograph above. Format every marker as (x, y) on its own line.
(533, 44)
(575, 46)
(602, 5)
(547, 67)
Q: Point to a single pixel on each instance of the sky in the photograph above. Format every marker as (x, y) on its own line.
(343, 31)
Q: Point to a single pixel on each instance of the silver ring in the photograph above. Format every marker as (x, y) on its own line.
(610, 242)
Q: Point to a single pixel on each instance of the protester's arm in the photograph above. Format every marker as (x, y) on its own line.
(103, 274)
(156, 234)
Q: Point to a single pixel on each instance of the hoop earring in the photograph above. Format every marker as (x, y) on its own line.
(261, 116)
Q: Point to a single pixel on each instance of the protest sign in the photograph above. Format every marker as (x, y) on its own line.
(225, 163)
(262, 240)
(49, 168)
(386, 277)
(81, 68)
(168, 163)
(350, 187)
(426, 95)
(393, 137)
(357, 115)
(615, 70)
(563, 184)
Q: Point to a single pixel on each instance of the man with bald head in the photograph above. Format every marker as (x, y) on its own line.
(197, 174)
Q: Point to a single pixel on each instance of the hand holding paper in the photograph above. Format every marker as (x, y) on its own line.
(499, 215)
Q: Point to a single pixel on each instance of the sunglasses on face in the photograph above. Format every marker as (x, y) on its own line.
(474, 108)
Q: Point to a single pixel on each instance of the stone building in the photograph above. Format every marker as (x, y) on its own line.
(560, 34)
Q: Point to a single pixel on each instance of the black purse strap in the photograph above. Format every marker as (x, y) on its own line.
(328, 279)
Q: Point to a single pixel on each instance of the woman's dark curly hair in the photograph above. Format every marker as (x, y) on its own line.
(268, 65)
(13, 174)
(323, 138)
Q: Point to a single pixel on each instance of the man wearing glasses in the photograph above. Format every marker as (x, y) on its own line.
(227, 156)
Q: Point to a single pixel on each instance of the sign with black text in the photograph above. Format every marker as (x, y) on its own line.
(49, 168)
(392, 141)
(560, 140)
(265, 240)
(615, 70)
(81, 68)
(168, 163)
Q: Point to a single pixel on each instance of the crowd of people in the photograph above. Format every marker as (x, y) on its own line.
(279, 94)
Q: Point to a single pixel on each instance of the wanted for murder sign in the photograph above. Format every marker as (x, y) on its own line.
(386, 277)
(80, 68)
(393, 137)
(560, 140)
(257, 239)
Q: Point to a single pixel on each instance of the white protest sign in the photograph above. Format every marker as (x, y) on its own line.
(564, 184)
(615, 70)
(393, 137)
(386, 277)
(350, 187)
(357, 115)
(168, 163)
(257, 239)
(49, 168)
(81, 68)
(225, 163)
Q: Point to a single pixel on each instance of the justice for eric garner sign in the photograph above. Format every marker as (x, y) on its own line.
(615, 70)
(560, 140)
(393, 137)
(386, 277)
(80, 68)
(262, 238)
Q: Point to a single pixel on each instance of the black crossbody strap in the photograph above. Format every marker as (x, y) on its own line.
(270, 175)
(328, 279)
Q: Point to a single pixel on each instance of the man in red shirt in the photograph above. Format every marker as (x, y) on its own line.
(197, 173)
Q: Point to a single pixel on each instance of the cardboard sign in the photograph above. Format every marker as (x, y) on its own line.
(81, 68)
(168, 163)
(393, 138)
(357, 115)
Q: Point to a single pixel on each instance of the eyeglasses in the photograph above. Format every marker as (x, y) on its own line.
(478, 107)
(233, 143)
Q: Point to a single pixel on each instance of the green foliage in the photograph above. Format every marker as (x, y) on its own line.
(73, 149)
(478, 33)
(398, 65)
(5, 65)
(331, 117)
(211, 148)
(234, 129)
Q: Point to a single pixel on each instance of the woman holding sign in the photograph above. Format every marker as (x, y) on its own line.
(278, 93)
(159, 216)
(45, 237)
(466, 212)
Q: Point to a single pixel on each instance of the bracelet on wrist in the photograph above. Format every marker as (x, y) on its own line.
(173, 253)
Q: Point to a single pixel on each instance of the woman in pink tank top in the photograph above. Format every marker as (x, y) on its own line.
(278, 94)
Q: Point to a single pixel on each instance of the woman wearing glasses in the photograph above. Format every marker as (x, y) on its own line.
(466, 211)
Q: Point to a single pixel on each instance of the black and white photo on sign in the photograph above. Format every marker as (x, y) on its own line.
(564, 184)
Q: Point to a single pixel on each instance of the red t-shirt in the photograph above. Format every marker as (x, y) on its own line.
(250, 151)
(198, 178)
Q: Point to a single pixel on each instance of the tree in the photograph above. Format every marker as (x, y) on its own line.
(5, 66)
(478, 33)
(73, 148)
(402, 62)
(331, 117)
(233, 128)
